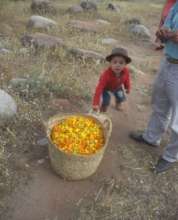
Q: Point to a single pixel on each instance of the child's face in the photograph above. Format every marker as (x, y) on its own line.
(117, 64)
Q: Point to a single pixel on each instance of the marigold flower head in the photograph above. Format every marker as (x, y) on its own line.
(78, 135)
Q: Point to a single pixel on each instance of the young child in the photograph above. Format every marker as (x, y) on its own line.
(115, 79)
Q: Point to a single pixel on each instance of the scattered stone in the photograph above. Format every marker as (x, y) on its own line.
(113, 7)
(8, 106)
(41, 161)
(84, 25)
(40, 22)
(103, 22)
(42, 7)
(86, 54)
(40, 40)
(4, 51)
(87, 26)
(42, 142)
(88, 5)
(109, 41)
(27, 165)
(140, 31)
(75, 9)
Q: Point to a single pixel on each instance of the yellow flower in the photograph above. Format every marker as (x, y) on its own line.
(78, 135)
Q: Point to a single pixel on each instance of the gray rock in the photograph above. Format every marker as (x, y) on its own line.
(41, 161)
(40, 22)
(88, 5)
(75, 9)
(113, 7)
(102, 22)
(140, 31)
(109, 41)
(8, 106)
(86, 54)
(4, 51)
(88, 26)
(40, 40)
(42, 6)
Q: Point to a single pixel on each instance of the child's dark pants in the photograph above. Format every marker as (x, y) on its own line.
(119, 96)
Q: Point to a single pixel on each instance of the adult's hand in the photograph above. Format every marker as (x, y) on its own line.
(174, 37)
(162, 33)
(158, 33)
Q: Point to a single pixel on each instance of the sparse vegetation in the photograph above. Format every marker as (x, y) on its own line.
(57, 74)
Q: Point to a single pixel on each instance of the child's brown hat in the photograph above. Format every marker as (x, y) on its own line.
(119, 52)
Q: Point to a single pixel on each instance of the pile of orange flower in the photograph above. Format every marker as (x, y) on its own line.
(78, 135)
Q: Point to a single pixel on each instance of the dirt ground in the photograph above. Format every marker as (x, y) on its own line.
(46, 196)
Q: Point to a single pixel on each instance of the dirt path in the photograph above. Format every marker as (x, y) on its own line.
(47, 196)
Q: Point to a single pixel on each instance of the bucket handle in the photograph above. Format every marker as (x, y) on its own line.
(104, 119)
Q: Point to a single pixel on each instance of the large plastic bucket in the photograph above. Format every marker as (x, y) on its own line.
(77, 167)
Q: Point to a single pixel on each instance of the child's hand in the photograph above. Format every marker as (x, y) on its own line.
(127, 91)
(96, 108)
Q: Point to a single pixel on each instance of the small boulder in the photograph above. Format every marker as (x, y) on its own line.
(140, 31)
(8, 106)
(4, 51)
(102, 22)
(42, 7)
(40, 22)
(88, 26)
(40, 40)
(88, 5)
(75, 9)
(113, 7)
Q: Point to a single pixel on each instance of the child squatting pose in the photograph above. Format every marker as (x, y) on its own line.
(114, 80)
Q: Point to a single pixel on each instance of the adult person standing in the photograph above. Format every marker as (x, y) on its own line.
(167, 7)
(165, 97)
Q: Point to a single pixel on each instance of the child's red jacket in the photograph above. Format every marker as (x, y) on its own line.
(110, 82)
